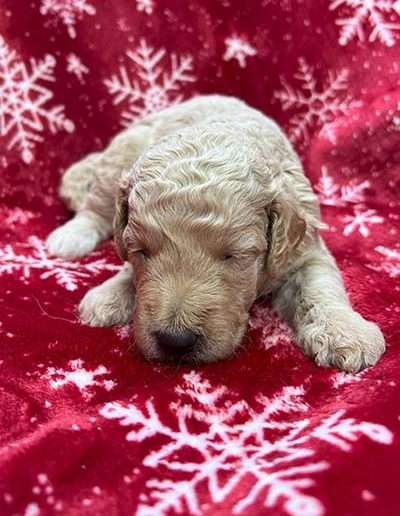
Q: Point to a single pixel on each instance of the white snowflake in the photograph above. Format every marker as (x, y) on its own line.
(32, 256)
(360, 220)
(238, 48)
(378, 14)
(390, 262)
(220, 442)
(152, 89)
(76, 374)
(317, 104)
(23, 101)
(331, 194)
(69, 11)
(75, 66)
(341, 378)
(273, 329)
(13, 217)
(123, 332)
(146, 6)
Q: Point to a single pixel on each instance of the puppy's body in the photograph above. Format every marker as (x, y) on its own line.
(211, 210)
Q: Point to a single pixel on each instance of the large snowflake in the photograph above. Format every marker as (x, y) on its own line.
(69, 11)
(32, 256)
(378, 14)
(331, 194)
(148, 88)
(316, 104)
(220, 442)
(24, 108)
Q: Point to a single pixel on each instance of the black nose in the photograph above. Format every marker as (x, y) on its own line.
(176, 343)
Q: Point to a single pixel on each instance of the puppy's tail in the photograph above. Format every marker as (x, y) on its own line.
(76, 182)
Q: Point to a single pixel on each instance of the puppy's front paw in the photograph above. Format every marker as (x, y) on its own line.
(74, 239)
(106, 306)
(347, 342)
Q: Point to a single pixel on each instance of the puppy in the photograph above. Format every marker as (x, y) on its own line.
(210, 209)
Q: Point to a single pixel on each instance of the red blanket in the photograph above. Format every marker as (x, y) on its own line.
(87, 426)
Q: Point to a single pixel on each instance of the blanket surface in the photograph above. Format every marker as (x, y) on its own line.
(87, 426)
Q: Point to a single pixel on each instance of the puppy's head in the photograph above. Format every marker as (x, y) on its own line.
(202, 251)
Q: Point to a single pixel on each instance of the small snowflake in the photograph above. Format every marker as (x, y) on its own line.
(75, 66)
(331, 194)
(13, 217)
(32, 256)
(23, 105)
(238, 48)
(219, 442)
(273, 330)
(339, 379)
(317, 105)
(377, 13)
(76, 374)
(151, 89)
(69, 11)
(389, 261)
(146, 6)
(123, 332)
(360, 221)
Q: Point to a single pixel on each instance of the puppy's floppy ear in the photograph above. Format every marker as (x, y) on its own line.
(286, 229)
(121, 215)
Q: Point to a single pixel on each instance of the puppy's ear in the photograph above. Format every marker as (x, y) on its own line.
(121, 215)
(286, 229)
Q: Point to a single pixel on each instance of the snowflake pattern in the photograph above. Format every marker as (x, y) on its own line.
(331, 194)
(32, 256)
(153, 89)
(43, 490)
(238, 48)
(273, 329)
(389, 262)
(378, 14)
(24, 109)
(14, 217)
(316, 104)
(76, 67)
(219, 441)
(76, 374)
(145, 6)
(360, 220)
(69, 11)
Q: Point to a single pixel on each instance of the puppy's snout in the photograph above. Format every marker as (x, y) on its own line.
(176, 343)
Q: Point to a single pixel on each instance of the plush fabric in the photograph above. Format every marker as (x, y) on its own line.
(87, 426)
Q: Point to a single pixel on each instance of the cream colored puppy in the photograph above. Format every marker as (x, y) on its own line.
(210, 210)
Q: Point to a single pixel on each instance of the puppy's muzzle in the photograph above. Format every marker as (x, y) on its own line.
(176, 344)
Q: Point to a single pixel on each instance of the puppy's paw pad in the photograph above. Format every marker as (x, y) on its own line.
(72, 241)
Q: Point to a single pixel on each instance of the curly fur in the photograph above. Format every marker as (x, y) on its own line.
(210, 209)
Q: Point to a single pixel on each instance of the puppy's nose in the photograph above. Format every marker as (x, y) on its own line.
(176, 343)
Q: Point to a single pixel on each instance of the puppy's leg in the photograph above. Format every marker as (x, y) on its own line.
(111, 302)
(93, 221)
(315, 303)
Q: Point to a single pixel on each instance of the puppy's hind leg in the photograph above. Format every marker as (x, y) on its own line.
(315, 303)
(80, 235)
(90, 187)
(111, 302)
